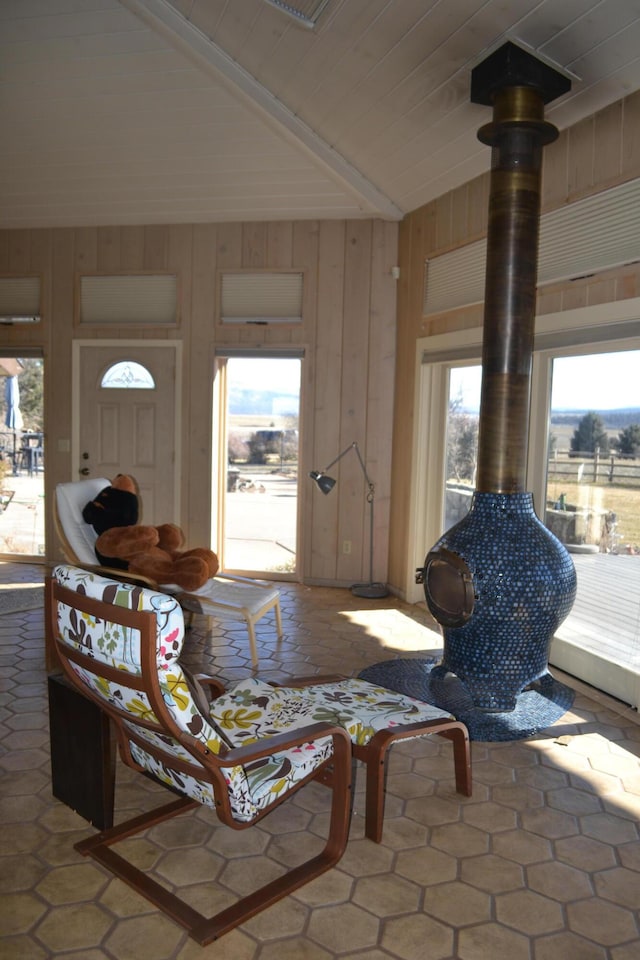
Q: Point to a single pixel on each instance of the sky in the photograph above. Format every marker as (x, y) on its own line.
(603, 381)
(258, 373)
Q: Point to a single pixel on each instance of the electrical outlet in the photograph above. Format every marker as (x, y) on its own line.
(346, 546)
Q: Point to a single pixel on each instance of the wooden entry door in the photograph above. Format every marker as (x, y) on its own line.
(130, 426)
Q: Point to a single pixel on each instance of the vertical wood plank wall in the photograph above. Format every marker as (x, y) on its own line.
(594, 155)
(348, 335)
(354, 357)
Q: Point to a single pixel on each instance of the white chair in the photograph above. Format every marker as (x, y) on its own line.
(224, 596)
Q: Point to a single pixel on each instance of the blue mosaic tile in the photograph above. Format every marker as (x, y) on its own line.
(524, 585)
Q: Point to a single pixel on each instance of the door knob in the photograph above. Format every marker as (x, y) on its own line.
(84, 471)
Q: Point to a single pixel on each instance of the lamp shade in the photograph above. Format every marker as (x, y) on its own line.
(325, 483)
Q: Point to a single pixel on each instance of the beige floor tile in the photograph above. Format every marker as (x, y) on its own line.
(542, 863)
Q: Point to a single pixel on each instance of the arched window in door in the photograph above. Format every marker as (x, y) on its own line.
(127, 375)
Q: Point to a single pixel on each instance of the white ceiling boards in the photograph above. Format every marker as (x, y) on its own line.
(166, 111)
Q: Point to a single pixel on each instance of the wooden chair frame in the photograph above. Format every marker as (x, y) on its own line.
(335, 773)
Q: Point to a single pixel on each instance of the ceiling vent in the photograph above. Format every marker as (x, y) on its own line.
(599, 233)
(304, 12)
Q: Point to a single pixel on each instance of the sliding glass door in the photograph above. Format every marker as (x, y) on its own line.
(592, 504)
(583, 469)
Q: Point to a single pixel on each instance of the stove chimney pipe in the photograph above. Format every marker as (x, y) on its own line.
(517, 86)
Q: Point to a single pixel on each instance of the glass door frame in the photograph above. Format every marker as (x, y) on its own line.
(220, 454)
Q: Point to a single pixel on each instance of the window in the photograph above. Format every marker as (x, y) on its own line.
(127, 375)
(261, 298)
(129, 299)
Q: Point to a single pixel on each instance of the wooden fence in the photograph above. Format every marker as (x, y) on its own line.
(579, 467)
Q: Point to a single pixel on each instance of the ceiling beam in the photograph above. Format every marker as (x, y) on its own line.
(164, 19)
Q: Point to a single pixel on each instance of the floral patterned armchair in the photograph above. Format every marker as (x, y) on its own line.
(119, 643)
(242, 751)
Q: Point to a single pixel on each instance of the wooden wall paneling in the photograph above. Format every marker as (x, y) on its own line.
(631, 136)
(608, 145)
(5, 236)
(478, 207)
(37, 334)
(19, 251)
(279, 242)
(228, 257)
(180, 262)
(254, 245)
(601, 290)
(109, 250)
(132, 248)
(628, 282)
(549, 300)
(410, 259)
(305, 257)
(58, 374)
(193, 514)
(85, 261)
(199, 506)
(85, 250)
(381, 375)
(324, 430)
(306, 237)
(555, 174)
(581, 155)
(460, 215)
(353, 413)
(156, 243)
(443, 222)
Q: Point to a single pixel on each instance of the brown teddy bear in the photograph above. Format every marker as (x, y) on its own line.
(154, 552)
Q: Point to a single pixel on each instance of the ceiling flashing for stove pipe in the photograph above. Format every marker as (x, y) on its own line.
(517, 86)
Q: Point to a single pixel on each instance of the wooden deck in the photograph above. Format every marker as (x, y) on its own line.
(606, 614)
(600, 639)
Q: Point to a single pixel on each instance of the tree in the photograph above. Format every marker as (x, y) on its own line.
(590, 435)
(629, 441)
(31, 403)
(462, 443)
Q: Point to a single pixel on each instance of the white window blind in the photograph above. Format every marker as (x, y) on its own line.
(19, 299)
(595, 234)
(129, 299)
(261, 297)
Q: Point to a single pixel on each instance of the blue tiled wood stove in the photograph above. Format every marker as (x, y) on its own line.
(499, 582)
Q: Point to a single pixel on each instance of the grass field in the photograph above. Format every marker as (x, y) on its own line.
(624, 501)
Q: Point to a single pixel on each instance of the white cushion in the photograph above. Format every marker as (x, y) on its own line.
(235, 597)
(71, 499)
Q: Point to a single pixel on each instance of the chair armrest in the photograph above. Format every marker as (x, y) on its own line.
(214, 688)
(267, 746)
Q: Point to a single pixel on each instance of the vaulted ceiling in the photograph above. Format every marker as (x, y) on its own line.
(165, 111)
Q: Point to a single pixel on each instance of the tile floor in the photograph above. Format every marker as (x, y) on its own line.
(542, 863)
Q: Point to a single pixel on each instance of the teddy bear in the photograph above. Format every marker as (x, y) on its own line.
(151, 551)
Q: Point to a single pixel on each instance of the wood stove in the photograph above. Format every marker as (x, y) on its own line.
(499, 582)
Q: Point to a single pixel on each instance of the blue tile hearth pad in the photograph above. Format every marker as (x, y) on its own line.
(537, 707)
